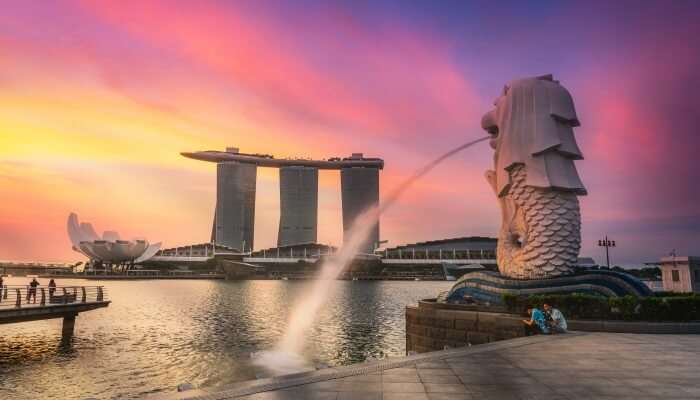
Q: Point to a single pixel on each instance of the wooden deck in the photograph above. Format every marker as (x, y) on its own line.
(22, 304)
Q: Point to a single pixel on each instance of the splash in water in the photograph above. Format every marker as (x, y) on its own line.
(286, 358)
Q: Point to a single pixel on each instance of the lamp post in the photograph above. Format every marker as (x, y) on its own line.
(673, 254)
(607, 244)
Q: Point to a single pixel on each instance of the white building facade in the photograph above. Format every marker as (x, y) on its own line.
(681, 274)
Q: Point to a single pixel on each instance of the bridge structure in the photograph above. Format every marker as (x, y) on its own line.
(236, 174)
(23, 304)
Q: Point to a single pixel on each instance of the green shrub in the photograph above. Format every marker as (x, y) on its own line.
(628, 308)
(683, 308)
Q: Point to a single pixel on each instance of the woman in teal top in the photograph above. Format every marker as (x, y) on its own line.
(536, 323)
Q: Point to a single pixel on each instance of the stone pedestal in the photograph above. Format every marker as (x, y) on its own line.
(435, 326)
(490, 286)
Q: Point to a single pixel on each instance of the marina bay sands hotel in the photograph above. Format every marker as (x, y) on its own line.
(236, 174)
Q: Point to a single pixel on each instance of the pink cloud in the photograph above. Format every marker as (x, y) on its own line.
(341, 75)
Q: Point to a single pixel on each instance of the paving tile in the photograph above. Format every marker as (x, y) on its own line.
(402, 370)
(406, 387)
(663, 391)
(554, 396)
(692, 390)
(337, 385)
(576, 391)
(445, 388)
(590, 366)
(435, 371)
(405, 396)
(503, 375)
(332, 385)
(359, 396)
(304, 394)
(439, 379)
(450, 396)
(495, 396)
(361, 378)
(295, 394)
(480, 380)
(433, 364)
(401, 378)
(483, 389)
(630, 398)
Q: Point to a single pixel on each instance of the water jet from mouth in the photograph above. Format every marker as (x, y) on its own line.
(286, 358)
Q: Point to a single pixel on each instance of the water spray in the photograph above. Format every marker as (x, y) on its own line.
(287, 358)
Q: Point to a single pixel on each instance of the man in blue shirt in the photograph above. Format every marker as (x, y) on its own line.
(536, 323)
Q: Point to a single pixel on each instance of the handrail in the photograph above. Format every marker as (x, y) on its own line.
(24, 296)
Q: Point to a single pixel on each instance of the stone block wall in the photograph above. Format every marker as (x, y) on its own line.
(433, 326)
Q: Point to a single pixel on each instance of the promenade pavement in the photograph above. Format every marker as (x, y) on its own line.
(571, 366)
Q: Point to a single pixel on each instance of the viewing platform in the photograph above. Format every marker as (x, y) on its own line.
(569, 366)
(23, 304)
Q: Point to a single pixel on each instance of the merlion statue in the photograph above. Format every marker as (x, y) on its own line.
(535, 178)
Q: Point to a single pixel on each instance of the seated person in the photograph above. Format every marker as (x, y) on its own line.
(555, 318)
(536, 323)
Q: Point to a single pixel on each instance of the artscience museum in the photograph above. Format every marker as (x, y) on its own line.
(108, 249)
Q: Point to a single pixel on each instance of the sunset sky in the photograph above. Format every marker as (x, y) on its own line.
(98, 98)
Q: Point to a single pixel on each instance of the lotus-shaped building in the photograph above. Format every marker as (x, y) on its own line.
(109, 248)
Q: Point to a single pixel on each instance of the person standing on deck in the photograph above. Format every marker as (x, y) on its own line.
(52, 287)
(31, 294)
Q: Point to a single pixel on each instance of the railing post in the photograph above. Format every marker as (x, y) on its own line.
(65, 296)
(18, 304)
(4, 296)
(84, 297)
(75, 295)
(99, 293)
(43, 297)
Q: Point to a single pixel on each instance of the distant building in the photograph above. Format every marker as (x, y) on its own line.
(298, 205)
(306, 251)
(360, 192)
(463, 249)
(586, 262)
(22, 268)
(681, 274)
(109, 248)
(207, 250)
(440, 259)
(654, 285)
(234, 218)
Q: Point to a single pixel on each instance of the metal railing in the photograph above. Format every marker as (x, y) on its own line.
(291, 253)
(22, 296)
(444, 254)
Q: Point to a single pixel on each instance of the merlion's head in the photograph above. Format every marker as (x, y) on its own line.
(532, 125)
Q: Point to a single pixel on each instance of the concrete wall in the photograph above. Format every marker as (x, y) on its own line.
(235, 205)
(431, 326)
(298, 205)
(429, 329)
(359, 190)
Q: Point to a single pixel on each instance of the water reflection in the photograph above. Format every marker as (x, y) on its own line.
(158, 334)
